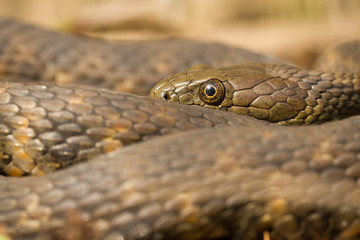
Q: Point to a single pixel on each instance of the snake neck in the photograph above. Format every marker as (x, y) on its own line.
(329, 95)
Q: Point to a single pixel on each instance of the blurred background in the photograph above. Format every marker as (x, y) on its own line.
(295, 30)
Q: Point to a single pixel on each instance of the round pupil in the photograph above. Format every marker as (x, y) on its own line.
(210, 90)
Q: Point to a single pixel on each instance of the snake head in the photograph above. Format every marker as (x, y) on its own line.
(201, 85)
(252, 89)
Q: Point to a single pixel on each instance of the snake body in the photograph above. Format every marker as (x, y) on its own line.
(34, 54)
(233, 178)
(48, 127)
(295, 183)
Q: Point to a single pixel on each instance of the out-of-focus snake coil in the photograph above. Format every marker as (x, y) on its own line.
(216, 175)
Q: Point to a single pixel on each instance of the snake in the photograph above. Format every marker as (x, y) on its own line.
(274, 92)
(162, 170)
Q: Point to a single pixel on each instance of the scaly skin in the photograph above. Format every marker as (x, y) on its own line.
(343, 57)
(234, 179)
(276, 93)
(216, 183)
(44, 128)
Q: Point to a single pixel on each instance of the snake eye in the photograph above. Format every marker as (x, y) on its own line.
(212, 92)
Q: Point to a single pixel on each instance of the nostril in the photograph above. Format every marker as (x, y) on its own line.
(166, 96)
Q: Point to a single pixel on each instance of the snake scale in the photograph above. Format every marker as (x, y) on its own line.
(216, 176)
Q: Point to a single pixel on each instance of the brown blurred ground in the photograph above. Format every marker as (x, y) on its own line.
(295, 30)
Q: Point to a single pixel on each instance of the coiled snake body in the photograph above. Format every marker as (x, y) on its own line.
(230, 177)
